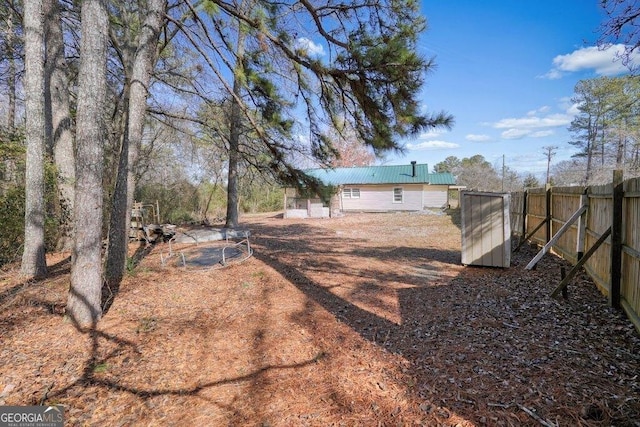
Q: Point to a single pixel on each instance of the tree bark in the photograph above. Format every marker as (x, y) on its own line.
(83, 303)
(58, 121)
(138, 84)
(33, 257)
(12, 76)
(591, 136)
(234, 136)
(10, 168)
(232, 180)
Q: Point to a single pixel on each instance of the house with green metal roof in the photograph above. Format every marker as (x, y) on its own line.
(407, 187)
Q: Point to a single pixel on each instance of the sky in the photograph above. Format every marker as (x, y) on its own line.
(506, 70)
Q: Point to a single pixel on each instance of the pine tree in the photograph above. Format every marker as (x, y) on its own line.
(139, 55)
(33, 256)
(84, 300)
(59, 134)
(368, 75)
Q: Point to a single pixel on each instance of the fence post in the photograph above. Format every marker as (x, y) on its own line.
(524, 214)
(616, 239)
(549, 213)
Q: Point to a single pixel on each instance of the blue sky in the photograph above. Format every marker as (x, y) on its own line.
(506, 71)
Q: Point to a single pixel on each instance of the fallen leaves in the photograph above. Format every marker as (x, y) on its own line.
(368, 319)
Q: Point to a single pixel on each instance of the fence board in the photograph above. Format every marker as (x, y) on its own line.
(516, 213)
(537, 213)
(630, 286)
(598, 220)
(565, 201)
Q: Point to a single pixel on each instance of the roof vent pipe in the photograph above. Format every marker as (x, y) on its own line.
(413, 168)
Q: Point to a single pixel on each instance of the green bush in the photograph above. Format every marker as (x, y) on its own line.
(12, 198)
(264, 197)
(12, 218)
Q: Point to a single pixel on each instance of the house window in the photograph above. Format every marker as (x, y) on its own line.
(351, 193)
(397, 195)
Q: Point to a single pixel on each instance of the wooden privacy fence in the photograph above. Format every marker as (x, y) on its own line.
(605, 239)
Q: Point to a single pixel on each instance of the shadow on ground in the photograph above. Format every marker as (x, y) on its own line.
(487, 344)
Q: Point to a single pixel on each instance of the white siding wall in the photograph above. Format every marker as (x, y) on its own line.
(380, 198)
(435, 196)
(374, 198)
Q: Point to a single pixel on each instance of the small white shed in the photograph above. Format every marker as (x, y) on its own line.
(486, 229)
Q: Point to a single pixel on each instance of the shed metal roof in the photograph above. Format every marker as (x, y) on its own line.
(396, 174)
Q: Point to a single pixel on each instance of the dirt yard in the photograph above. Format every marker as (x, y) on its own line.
(365, 320)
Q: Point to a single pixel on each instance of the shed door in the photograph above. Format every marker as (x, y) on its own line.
(486, 229)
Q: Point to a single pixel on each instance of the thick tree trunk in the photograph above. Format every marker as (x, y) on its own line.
(58, 120)
(232, 180)
(234, 137)
(11, 77)
(10, 167)
(83, 304)
(143, 62)
(33, 257)
(117, 249)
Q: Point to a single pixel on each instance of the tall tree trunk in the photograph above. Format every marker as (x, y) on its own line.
(83, 303)
(602, 145)
(117, 249)
(621, 149)
(234, 135)
(33, 257)
(143, 62)
(58, 120)
(12, 75)
(232, 180)
(591, 136)
(10, 168)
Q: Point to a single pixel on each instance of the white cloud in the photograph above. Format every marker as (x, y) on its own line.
(570, 107)
(432, 145)
(552, 74)
(573, 109)
(541, 133)
(543, 109)
(312, 49)
(605, 62)
(537, 123)
(534, 122)
(515, 133)
(477, 138)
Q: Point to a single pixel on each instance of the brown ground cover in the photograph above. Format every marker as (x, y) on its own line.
(368, 319)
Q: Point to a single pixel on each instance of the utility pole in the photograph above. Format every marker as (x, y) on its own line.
(550, 151)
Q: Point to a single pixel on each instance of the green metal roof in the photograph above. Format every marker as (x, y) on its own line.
(398, 174)
(442, 178)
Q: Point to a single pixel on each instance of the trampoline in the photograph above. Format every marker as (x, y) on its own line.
(218, 252)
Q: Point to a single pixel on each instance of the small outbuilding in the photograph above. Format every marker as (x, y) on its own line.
(486, 229)
(408, 187)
